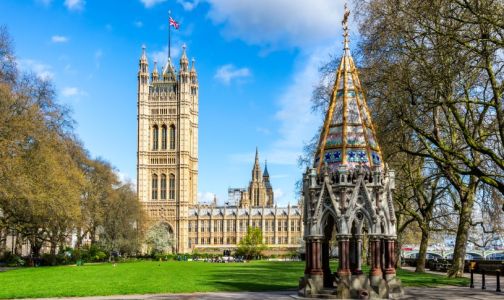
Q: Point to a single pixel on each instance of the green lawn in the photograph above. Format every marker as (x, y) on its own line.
(167, 277)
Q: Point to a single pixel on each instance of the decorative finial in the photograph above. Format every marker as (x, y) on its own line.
(193, 62)
(144, 56)
(184, 55)
(345, 29)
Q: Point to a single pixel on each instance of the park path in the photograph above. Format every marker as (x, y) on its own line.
(441, 293)
(490, 280)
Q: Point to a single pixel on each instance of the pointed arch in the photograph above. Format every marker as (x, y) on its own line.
(154, 186)
(327, 216)
(173, 133)
(164, 137)
(172, 187)
(163, 187)
(155, 137)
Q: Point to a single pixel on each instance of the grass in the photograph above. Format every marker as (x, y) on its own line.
(145, 277)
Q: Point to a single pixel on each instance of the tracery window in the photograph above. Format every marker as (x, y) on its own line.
(172, 137)
(154, 187)
(172, 187)
(163, 187)
(164, 133)
(155, 136)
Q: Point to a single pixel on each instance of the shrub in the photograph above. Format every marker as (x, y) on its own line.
(12, 260)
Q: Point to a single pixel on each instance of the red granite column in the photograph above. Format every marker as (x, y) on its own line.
(357, 270)
(344, 255)
(316, 256)
(389, 257)
(374, 245)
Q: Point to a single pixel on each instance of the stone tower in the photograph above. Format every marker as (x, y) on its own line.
(167, 158)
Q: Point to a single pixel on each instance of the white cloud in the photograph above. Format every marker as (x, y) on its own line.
(278, 194)
(123, 177)
(188, 5)
(206, 197)
(229, 72)
(41, 70)
(151, 3)
(161, 56)
(70, 91)
(138, 24)
(59, 39)
(298, 123)
(279, 23)
(75, 5)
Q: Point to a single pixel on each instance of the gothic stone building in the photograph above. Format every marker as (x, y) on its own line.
(167, 171)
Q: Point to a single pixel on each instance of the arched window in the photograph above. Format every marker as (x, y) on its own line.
(154, 186)
(164, 133)
(172, 187)
(163, 187)
(155, 135)
(172, 137)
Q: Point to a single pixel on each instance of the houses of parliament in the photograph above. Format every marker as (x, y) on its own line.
(167, 171)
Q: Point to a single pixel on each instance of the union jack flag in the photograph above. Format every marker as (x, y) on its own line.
(174, 23)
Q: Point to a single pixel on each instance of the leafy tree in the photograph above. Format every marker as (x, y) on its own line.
(160, 239)
(50, 187)
(251, 244)
(121, 230)
(436, 66)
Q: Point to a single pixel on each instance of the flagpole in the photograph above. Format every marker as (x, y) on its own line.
(169, 36)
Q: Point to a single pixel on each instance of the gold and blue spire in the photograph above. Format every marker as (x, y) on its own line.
(348, 138)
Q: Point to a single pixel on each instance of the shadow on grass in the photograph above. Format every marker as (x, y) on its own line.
(270, 276)
(410, 278)
(257, 276)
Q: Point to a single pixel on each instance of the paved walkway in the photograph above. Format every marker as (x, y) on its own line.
(490, 280)
(441, 293)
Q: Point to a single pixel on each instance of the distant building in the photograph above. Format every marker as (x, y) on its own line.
(167, 167)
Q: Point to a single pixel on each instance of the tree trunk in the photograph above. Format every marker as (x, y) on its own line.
(420, 266)
(457, 269)
(53, 247)
(398, 247)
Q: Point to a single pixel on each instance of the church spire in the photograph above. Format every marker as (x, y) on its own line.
(348, 137)
(346, 35)
(184, 62)
(256, 170)
(266, 173)
(155, 74)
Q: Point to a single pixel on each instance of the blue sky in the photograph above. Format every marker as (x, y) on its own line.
(257, 62)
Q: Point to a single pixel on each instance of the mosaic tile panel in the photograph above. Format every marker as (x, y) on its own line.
(376, 158)
(338, 112)
(353, 111)
(371, 139)
(332, 156)
(355, 136)
(334, 137)
(354, 155)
